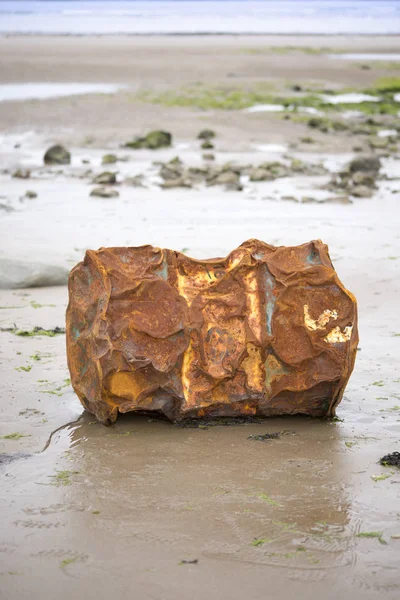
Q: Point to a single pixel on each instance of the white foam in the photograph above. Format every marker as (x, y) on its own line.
(42, 91)
(396, 97)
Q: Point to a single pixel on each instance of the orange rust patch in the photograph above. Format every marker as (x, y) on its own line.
(263, 331)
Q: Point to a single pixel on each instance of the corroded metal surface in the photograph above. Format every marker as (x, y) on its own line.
(265, 331)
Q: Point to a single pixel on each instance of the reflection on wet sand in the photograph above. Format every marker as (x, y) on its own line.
(119, 500)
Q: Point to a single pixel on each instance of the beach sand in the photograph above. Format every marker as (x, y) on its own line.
(147, 509)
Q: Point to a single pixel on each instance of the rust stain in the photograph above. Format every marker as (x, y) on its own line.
(265, 331)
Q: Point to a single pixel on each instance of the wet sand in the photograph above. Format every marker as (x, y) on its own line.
(124, 511)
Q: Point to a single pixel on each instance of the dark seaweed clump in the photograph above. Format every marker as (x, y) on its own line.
(391, 460)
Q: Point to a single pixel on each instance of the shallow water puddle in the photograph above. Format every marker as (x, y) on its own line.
(366, 56)
(43, 91)
(352, 98)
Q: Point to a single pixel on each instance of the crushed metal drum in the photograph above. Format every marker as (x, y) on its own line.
(265, 331)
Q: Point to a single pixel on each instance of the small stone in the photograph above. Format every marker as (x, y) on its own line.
(365, 163)
(234, 187)
(290, 198)
(207, 145)
(297, 88)
(57, 155)
(208, 156)
(179, 182)
(197, 174)
(135, 181)
(298, 166)
(308, 199)
(226, 178)
(21, 173)
(260, 174)
(104, 192)
(364, 178)
(175, 161)
(206, 134)
(152, 141)
(362, 191)
(106, 178)
(30, 194)
(171, 171)
(109, 159)
(339, 199)
(378, 142)
(319, 123)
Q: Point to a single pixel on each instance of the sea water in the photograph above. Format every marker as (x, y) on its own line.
(200, 16)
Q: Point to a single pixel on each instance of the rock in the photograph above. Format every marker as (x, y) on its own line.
(226, 178)
(364, 178)
(362, 191)
(206, 134)
(104, 192)
(179, 182)
(365, 163)
(6, 207)
(298, 166)
(290, 198)
(198, 174)
(175, 161)
(21, 173)
(340, 199)
(109, 159)
(297, 88)
(171, 171)
(16, 273)
(85, 161)
(260, 174)
(153, 140)
(57, 155)
(135, 181)
(339, 126)
(105, 178)
(234, 187)
(308, 200)
(378, 143)
(208, 156)
(319, 123)
(30, 194)
(207, 145)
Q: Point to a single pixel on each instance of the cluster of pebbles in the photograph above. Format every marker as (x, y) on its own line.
(357, 179)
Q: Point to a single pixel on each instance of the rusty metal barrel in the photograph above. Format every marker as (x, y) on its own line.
(265, 331)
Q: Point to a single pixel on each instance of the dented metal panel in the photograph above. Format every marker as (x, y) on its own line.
(265, 331)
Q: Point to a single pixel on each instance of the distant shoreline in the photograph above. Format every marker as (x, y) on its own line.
(198, 34)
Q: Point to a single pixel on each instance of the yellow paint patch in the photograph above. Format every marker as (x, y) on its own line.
(336, 336)
(191, 285)
(253, 303)
(186, 363)
(322, 320)
(253, 368)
